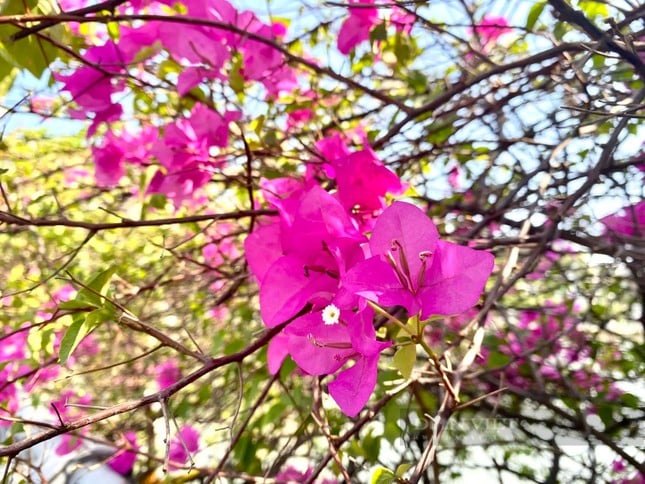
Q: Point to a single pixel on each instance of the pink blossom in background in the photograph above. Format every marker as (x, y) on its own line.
(43, 105)
(192, 76)
(184, 151)
(356, 28)
(68, 444)
(488, 30)
(13, 347)
(178, 451)
(115, 150)
(300, 117)
(123, 461)
(70, 405)
(92, 87)
(618, 466)
(454, 177)
(402, 20)
(180, 186)
(291, 475)
(629, 221)
(362, 180)
(167, 373)
(9, 404)
(108, 161)
(42, 376)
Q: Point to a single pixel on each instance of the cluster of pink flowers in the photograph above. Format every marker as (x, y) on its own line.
(185, 149)
(17, 371)
(13, 351)
(362, 19)
(317, 253)
(551, 341)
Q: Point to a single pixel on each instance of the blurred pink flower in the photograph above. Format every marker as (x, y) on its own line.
(178, 451)
(628, 221)
(356, 28)
(167, 373)
(488, 30)
(123, 460)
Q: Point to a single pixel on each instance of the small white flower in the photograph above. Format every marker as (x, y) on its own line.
(331, 315)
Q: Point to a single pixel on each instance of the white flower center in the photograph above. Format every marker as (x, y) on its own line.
(330, 315)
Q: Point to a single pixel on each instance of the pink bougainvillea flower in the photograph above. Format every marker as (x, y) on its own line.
(306, 272)
(180, 185)
(183, 444)
(68, 444)
(123, 461)
(402, 20)
(167, 373)
(115, 150)
(186, 152)
(361, 178)
(92, 85)
(363, 181)
(321, 346)
(488, 30)
(9, 404)
(13, 347)
(191, 76)
(629, 221)
(291, 474)
(188, 141)
(108, 162)
(356, 28)
(411, 267)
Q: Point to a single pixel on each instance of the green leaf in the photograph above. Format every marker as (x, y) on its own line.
(75, 304)
(98, 285)
(235, 78)
(404, 359)
(402, 49)
(629, 400)
(559, 30)
(594, 9)
(402, 469)
(378, 33)
(606, 414)
(497, 359)
(534, 14)
(73, 336)
(79, 329)
(383, 476)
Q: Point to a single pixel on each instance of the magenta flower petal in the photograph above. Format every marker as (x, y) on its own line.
(352, 387)
(262, 248)
(412, 268)
(317, 348)
(375, 280)
(288, 287)
(410, 227)
(455, 279)
(277, 352)
(123, 461)
(363, 336)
